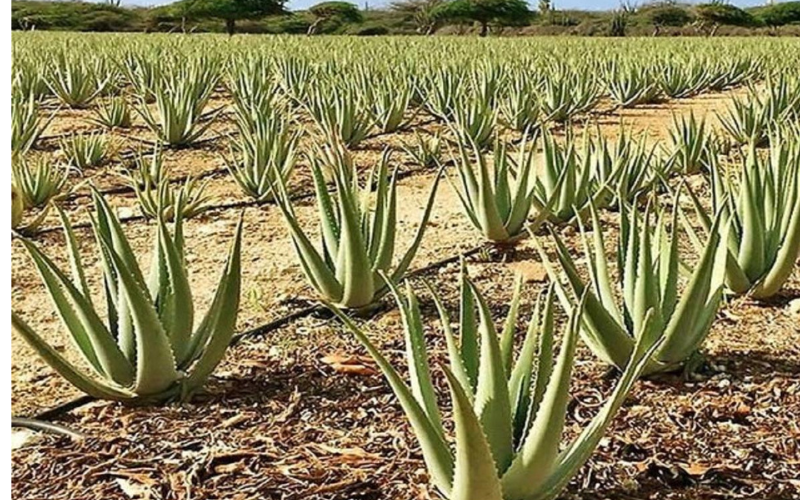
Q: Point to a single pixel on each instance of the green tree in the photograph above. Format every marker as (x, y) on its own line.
(545, 6)
(485, 12)
(780, 14)
(229, 11)
(666, 14)
(183, 10)
(421, 13)
(718, 13)
(619, 23)
(343, 12)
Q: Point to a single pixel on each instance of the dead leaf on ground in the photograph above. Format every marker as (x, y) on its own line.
(350, 365)
(351, 455)
(695, 469)
(531, 272)
(135, 486)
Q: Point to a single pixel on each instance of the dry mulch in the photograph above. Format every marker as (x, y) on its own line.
(278, 421)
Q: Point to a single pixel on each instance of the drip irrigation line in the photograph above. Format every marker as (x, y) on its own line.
(174, 147)
(46, 427)
(224, 206)
(63, 408)
(42, 420)
(128, 155)
(276, 324)
(127, 189)
(64, 135)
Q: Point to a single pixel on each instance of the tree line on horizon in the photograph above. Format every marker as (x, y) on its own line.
(425, 17)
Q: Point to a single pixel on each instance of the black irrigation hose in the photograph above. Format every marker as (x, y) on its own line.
(63, 408)
(275, 324)
(41, 421)
(223, 206)
(125, 189)
(176, 147)
(47, 427)
(64, 135)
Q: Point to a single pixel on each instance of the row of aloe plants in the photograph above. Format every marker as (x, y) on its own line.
(171, 92)
(76, 80)
(267, 141)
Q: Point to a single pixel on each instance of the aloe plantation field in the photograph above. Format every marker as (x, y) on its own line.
(405, 268)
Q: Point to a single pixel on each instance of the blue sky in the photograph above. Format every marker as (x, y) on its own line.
(561, 4)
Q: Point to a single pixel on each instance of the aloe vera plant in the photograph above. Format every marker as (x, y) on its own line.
(391, 99)
(264, 150)
(341, 112)
(18, 213)
(358, 237)
(565, 93)
(440, 90)
(762, 204)
(295, 76)
(86, 150)
(649, 266)
(682, 79)
(147, 169)
(509, 415)
(39, 181)
(499, 200)
(155, 194)
(629, 86)
(29, 78)
(146, 351)
(484, 81)
(690, 145)
(751, 119)
(142, 73)
(252, 85)
(731, 72)
(473, 121)
(75, 81)
(180, 101)
(627, 166)
(567, 183)
(518, 107)
(160, 197)
(26, 124)
(747, 121)
(426, 152)
(113, 113)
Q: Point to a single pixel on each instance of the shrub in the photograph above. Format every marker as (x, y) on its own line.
(666, 14)
(619, 23)
(292, 24)
(76, 16)
(721, 13)
(329, 16)
(779, 14)
(369, 30)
